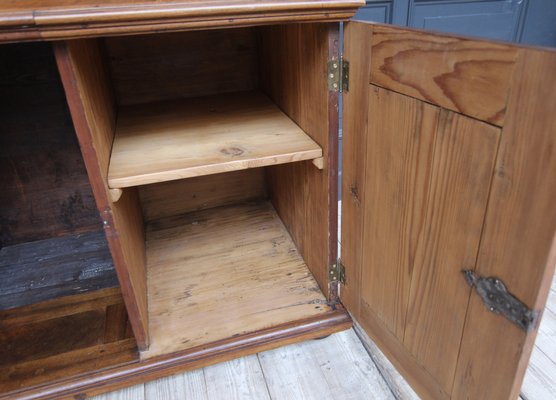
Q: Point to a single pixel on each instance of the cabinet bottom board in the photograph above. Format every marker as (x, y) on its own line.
(224, 272)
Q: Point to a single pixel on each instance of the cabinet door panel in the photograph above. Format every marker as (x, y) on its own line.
(442, 167)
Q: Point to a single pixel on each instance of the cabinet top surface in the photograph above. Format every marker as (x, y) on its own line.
(58, 19)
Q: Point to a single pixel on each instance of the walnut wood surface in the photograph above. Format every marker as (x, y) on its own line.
(166, 141)
(445, 192)
(293, 58)
(91, 103)
(35, 19)
(223, 272)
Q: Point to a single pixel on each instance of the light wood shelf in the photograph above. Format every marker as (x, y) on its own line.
(180, 139)
(223, 272)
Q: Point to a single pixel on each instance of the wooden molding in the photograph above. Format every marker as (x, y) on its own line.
(197, 357)
(63, 19)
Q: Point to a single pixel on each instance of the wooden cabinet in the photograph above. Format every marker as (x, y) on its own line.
(212, 157)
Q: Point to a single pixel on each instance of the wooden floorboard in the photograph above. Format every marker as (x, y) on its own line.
(335, 367)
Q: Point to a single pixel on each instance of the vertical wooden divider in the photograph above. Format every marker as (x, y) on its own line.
(293, 74)
(93, 110)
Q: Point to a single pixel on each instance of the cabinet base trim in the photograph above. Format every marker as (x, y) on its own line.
(134, 373)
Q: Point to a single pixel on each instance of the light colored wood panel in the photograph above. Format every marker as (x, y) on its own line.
(150, 68)
(93, 90)
(397, 384)
(293, 373)
(455, 206)
(518, 244)
(189, 385)
(540, 380)
(293, 58)
(349, 371)
(468, 76)
(357, 42)
(400, 148)
(236, 379)
(223, 272)
(178, 197)
(136, 392)
(35, 19)
(422, 382)
(91, 105)
(187, 138)
(551, 301)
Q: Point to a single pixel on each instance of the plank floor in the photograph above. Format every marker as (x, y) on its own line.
(336, 367)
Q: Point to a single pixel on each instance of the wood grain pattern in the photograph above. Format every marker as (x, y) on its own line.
(222, 272)
(357, 49)
(207, 135)
(468, 76)
(133, 373)
(91, 103)
(424, 214)
(456, 198)
(242, 378)
(45, 191)
(519, 239)
(293, 59)
(51, 341)
(35, 19)
(161, 67)
(179, 197)
(51, 268)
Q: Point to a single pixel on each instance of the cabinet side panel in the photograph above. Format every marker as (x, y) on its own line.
(87, 88)
(293, 74)
(519, 242)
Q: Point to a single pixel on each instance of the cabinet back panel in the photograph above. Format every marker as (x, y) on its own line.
(190, 64)
(45, 189)
(186, 195)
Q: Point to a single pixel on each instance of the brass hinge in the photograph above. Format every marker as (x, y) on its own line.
(499, 300)
(337, 272)
(338, 75)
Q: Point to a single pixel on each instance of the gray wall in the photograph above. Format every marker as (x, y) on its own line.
(525, 21)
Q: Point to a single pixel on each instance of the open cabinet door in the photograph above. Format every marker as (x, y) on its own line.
(449, 165)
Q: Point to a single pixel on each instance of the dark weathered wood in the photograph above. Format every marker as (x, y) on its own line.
(56, 267)
(151, 68)
(293, 60)
(34, 19)
(45, 190)
(58, 339)
(87, 86)
(211, 353)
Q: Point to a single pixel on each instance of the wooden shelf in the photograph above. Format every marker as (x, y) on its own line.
(223, 272)
(180, 139)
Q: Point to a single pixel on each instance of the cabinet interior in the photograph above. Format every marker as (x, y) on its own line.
(221, 210)
(60, 302)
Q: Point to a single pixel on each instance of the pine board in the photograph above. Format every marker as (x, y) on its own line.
(185, 138)
(217, 273)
